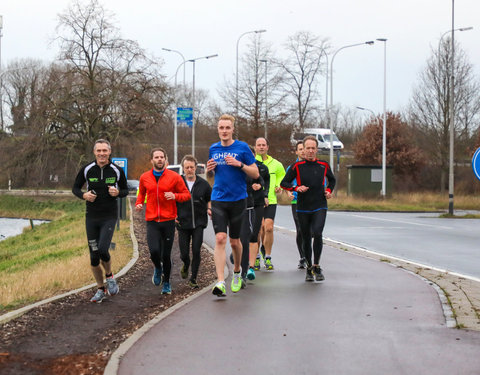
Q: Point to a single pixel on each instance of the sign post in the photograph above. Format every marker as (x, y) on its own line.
(185, 116)
(122, 206)
(476, 163)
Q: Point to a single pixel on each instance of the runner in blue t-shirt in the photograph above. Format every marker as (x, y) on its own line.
(231, 160)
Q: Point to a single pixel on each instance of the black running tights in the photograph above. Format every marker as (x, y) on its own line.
(160, 237)
(311, 224)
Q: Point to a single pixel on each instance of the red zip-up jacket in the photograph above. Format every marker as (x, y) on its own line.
(158, 207)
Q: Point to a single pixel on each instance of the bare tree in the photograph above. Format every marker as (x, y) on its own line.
(254, 80)
(302, 68)
(111, 80)
(430, 109)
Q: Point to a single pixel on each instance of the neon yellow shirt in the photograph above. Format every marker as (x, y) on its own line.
(277, 172)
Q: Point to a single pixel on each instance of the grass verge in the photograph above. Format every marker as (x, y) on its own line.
(53, 257)
(403, 202)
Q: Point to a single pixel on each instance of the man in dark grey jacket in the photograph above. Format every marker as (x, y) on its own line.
(192, 218)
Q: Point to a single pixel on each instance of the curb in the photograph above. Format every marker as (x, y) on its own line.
(16, 313)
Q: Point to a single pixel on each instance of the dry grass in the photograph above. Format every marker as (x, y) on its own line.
(398, 202)
(51, 259)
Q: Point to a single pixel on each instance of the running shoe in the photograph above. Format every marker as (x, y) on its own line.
(166, 289)
(112, 287)
(244, 282)
(318, 273)
(262, 251)
(99, 296)
(236, 282)
(219, 289)
(157, 277)
(309, 274)
(251, 274)
(193, 284)
(268, 263)
(256, 266)
(184, 272)
(302, 264)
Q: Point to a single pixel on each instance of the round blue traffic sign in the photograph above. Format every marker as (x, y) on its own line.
(476, 163)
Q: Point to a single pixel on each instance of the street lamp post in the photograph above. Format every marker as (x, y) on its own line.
(236, 71)
(193, 98)
(1, 99)
(370, 42)
(384, 130)
(266, 98)
(175, 125)
(451, 104)
(183, 58)
(452, 121)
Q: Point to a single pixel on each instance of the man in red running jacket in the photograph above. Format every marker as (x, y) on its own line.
(163, 188)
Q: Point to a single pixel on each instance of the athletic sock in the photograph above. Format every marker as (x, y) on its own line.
(109, 275)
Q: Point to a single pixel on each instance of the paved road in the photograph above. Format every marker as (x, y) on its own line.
(366, 318)
(449, 244)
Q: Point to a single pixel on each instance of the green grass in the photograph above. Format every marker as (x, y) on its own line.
(51, 257)
(47, 208)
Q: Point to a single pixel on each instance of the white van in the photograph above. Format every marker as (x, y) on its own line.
(323, 137)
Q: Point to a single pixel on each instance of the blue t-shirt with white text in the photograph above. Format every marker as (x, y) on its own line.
(230, 184)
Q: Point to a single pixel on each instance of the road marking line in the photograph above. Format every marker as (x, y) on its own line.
(401, 221)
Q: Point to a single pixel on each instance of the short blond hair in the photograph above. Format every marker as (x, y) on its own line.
(227, 117)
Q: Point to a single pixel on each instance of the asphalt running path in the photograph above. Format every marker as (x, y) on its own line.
(367, 317)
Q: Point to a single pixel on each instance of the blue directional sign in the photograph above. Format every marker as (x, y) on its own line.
(476, 163)
(122, 163)
(185, 116)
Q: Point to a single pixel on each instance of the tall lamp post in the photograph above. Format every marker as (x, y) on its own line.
(266, 97)
(236, 71)
(175, 125)
(1, 100)
(384, 130)
(452, 121)
(193, 99)
(451, 104)
(183, 58)
(370, 42)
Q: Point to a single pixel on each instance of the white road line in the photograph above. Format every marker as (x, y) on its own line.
(400, 221)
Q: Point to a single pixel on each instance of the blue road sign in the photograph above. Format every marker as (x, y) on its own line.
(185, 116)
(122, 163)
(476, 163)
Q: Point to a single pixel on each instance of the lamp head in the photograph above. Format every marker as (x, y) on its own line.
(370, 42)
(260, 31)
(382, 39)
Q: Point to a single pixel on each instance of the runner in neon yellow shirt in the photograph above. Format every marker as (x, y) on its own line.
(277, 172)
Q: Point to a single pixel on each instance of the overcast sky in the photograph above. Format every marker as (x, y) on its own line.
(204, 27)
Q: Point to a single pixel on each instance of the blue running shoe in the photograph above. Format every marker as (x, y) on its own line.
(166, 289)
(157, 277)
(99, 296)
(251, 274)
(112, 287)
